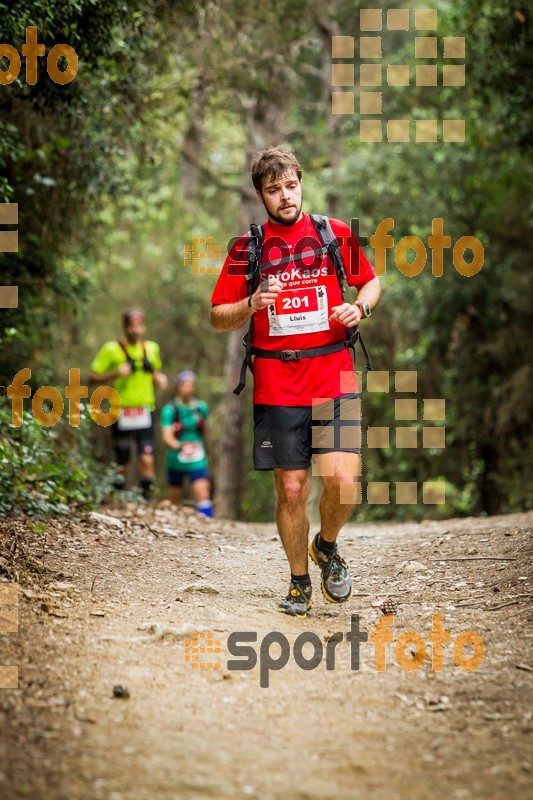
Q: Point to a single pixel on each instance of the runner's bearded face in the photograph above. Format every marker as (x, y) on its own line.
(282, 198)
(135, 330)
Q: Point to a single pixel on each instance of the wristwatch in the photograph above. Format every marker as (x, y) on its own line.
(366, 311)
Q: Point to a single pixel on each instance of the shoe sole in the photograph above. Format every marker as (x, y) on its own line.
(322, 586)
(289, 614)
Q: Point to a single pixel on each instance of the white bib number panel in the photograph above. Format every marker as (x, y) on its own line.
(299, 311)
(197, 453)
(134, 419)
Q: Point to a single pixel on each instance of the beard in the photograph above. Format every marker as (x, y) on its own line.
(287, 221)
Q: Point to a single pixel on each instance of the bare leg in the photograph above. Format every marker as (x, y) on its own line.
(201, 489)
(174, 494)
(292, 487)
(340, 490)
(146, 466)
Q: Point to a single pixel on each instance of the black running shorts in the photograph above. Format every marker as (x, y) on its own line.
(144, 439)
(287, 436)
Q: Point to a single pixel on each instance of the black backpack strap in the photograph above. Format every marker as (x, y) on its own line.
(147, 364)
(331, 243)
(177, 415)
(200, 420)
(253, 279)
(353, 335)
(130, 360)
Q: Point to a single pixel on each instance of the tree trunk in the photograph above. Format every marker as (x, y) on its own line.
(193, 142)
(265, 123)
(490, 494)
(328, 28)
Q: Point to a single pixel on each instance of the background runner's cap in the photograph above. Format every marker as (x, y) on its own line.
(132, 313)
(185, 375)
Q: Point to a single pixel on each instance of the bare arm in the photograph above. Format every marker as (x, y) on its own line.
(160, 379)
(231, 316)
(107, 377)
(370, 293)
(169, 438)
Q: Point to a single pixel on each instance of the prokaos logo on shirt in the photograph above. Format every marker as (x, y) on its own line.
(266, 443)
(296, 274)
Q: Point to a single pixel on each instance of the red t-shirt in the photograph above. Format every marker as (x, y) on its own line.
(300, 317)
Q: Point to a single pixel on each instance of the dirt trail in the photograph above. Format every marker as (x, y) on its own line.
(106, 603)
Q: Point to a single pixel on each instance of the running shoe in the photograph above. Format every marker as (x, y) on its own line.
(298, 601)
(336, 584)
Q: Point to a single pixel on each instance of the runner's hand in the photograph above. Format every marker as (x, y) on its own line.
(262, 299)
(124, 370)
(347, 314)
(160, 380)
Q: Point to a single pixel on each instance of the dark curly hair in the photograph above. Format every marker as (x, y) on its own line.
(272, 163)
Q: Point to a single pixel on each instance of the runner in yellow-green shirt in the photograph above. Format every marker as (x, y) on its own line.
(133, 364)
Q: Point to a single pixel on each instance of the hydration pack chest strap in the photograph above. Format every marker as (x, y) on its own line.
(146, 363)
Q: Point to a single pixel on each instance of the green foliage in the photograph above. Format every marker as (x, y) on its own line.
(116, 172)
(46, 470)
(61, 149)
(468, 338)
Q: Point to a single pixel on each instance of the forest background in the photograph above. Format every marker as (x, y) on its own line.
(149, 146)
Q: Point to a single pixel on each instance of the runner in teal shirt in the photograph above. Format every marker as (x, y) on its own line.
(182, 424)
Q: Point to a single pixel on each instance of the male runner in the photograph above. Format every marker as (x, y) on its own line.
(306, 405)
(133, 364)
(183, 431)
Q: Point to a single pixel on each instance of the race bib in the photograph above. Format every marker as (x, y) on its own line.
(198, 454)
(133, 419)
(299, 311)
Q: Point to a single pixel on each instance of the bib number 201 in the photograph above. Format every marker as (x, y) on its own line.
(303, 310)
(295, 302)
